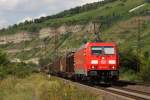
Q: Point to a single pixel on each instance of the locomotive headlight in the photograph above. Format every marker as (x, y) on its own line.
(94, 61)
(112, 62)
(113, 67)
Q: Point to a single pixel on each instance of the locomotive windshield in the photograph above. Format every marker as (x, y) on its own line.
(108, 50)
(97, 50)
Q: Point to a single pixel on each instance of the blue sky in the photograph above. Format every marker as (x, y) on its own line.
(15, 11)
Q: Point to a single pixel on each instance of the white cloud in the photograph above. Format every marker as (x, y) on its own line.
(8, 4)
(89, 1)
(21, 10)
(25, 4)
(3, 23)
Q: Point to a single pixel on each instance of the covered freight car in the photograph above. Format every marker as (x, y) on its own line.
(63, 66)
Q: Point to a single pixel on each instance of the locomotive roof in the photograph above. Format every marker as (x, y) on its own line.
(97, 44)
(101, 44)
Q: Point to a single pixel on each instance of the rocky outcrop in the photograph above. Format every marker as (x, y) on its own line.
(64, 28)
(46, 32)
(49, 32)
(15, 38)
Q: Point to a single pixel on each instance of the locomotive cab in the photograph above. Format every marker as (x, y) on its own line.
(103, 61)
(97, 61)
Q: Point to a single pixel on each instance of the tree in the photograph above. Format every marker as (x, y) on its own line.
(3, 58)
(148, 1)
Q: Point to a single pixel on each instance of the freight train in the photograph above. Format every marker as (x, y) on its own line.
(94, 61)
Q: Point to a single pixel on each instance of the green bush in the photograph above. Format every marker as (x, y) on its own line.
(129, 59)
(128, 74)
(3, 58)
(2, 72)
(17, 69)
(147, 1)
(145, 70)
(134, 67)
(44, 61)
(20, 70)
(3, 63)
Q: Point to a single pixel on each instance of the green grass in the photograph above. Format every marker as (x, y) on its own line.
(129, 75)
(106, 10)
(40, 87)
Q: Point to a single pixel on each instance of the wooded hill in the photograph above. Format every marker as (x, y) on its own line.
(116, 23)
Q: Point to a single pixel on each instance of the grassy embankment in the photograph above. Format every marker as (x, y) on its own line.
(19, 81)
(40, 87)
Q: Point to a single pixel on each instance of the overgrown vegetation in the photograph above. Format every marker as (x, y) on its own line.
(20, 70)
(147, 1)
(135, 68)
(40, 87)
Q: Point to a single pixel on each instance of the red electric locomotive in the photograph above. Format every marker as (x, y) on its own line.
(97, 61)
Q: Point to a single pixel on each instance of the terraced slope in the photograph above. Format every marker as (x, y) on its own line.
(116, 23)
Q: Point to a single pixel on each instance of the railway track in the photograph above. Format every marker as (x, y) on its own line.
(134, 83)
(112, 92)
(138, 95)
(132, 90)
(126, 92)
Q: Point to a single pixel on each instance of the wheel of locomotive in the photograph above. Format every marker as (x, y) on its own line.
(76, 78)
